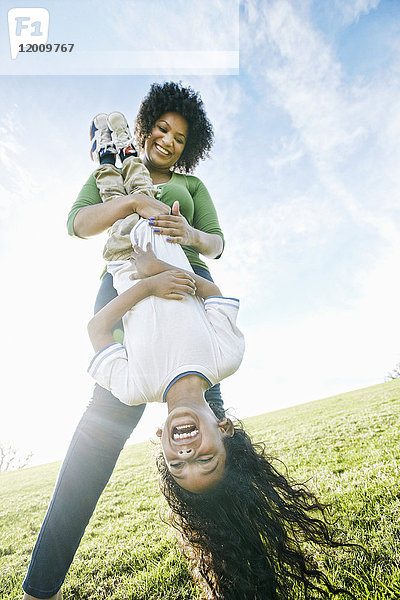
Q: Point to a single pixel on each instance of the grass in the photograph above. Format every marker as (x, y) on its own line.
(347, 447)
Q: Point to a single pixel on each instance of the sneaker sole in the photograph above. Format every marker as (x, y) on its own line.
(94, 126)
(117, 122)
(100, 121)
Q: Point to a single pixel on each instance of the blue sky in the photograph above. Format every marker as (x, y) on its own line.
(304, 174)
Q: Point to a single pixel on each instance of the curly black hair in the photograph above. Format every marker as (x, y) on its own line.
(246, 537)
(173, 97)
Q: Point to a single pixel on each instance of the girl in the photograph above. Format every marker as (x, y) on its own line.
(243, 524)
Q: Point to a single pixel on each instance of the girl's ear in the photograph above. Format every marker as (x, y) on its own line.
(227, 427)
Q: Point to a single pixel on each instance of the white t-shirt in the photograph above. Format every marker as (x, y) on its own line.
(166, 339)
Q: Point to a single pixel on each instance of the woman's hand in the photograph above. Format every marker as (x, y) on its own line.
(148, 207)
(175, 227)
(171, 285)
(145, 262)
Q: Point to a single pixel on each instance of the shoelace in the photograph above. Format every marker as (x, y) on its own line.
(105, 138)
(121, 138)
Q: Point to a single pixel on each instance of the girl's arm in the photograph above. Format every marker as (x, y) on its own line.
(147, 264)
(171, 284)
(204, 287)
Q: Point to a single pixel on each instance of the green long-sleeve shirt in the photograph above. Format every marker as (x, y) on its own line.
(195, 205)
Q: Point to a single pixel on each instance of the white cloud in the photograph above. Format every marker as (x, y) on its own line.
(352, 10)
(307, 82)
(10, 146)
(334, 120)
(209, 25)
(288, 150)
(223, 99)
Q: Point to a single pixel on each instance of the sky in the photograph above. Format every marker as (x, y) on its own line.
(304, 99)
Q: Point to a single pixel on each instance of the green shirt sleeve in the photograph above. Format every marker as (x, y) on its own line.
(205, 216)
(88, 196)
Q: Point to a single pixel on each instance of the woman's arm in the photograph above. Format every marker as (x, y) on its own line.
(89, 215)
(208, 244)
(204, 233)
(171, 284)
(94, 219)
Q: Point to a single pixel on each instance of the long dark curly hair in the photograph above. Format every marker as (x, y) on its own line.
(173, 97)
(252, 536)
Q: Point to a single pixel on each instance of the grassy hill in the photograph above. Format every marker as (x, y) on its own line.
(347, 447)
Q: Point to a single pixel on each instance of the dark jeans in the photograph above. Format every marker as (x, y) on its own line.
(98, 440)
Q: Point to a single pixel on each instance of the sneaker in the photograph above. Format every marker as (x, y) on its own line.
(121, 135)
(100, 136)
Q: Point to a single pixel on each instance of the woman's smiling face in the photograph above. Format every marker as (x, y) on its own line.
(166, 142)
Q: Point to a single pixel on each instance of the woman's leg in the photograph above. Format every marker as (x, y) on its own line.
(105, 294)
(213, 395)
(87, 467)
(57, 596)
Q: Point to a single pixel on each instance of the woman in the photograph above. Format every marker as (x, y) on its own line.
(107, 423)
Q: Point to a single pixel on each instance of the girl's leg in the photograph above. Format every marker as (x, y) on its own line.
(136, 177)
(109, 181)
(110, 184)
(87, 467)
(213, 395)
